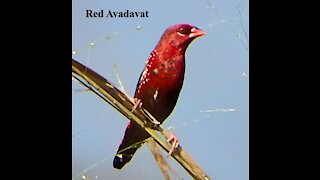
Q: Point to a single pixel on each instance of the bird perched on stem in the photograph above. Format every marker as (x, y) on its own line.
(159, 86)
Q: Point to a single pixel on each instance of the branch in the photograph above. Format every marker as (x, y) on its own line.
(117, 99)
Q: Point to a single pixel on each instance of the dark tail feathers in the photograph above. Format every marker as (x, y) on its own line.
(122, 159)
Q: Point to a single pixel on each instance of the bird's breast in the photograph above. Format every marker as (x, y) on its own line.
(160, 85)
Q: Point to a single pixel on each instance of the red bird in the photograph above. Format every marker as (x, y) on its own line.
(159, 85)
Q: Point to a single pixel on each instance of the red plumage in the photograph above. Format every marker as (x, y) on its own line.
(159, 85)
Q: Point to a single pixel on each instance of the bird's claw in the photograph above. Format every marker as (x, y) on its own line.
(173, 140)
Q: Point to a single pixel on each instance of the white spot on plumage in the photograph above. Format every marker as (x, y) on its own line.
(155, 94)
(144, 73)
(144, 76)
(153, 54)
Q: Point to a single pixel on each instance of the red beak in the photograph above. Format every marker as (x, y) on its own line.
(195, 32)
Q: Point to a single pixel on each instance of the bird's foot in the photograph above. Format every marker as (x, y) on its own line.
(137, 102)
(173, 140)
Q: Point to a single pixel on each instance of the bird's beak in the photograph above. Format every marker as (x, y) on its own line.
(195, 32)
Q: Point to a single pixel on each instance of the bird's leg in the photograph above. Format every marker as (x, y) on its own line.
(173, 140)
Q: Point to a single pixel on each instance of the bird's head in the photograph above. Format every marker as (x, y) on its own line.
(181, 35)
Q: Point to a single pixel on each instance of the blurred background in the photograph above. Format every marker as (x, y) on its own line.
(211, 119)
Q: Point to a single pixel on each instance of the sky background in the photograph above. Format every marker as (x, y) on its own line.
(211, 119)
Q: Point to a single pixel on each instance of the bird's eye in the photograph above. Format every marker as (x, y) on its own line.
(182, 31)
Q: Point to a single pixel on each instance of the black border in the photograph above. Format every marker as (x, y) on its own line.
(37, 77)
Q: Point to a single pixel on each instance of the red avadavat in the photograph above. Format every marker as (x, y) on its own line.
(159, 85)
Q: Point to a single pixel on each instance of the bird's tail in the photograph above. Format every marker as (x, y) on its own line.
(134, 137)
(124, 156)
